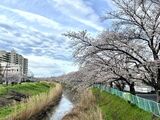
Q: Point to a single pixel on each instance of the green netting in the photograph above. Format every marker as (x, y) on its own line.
(145, 104)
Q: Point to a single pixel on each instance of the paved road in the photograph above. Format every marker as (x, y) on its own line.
(148, 96)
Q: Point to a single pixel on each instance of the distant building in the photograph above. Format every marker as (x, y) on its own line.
(11, 72)
(13, 64)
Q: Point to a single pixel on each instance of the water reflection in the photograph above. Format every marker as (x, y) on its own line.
(62, 109)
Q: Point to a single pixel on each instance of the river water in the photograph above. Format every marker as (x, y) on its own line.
(64, 107)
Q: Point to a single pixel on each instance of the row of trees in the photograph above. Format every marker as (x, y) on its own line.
(79, 80)
(129, 50)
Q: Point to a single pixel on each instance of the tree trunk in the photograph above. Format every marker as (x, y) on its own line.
(158, 86)
(132, 89)
(111, 85)
(156, 57)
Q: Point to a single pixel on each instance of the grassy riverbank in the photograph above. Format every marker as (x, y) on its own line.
(26, 88)
(38, 96)
(115, 108)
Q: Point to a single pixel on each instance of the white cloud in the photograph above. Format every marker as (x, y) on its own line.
(39, 37)
(111, 4)
(44, 46)
(45, 64)
(23, 18)
(78, 11)
(87, 22)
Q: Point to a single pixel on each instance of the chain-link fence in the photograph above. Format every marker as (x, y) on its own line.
(145, 104)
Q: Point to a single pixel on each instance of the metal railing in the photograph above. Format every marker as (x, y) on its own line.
(145, 104)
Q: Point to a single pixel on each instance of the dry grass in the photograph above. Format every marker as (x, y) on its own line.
(34, 105)
(86, 109)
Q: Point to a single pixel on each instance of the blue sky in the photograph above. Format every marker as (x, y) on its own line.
(34, 29)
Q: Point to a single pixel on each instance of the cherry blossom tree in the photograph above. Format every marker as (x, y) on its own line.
(130, 49)
(113, 52)
(141, 19)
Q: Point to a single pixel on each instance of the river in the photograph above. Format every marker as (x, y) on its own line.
(65, 106)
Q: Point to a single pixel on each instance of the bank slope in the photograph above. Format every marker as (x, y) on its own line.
(115, 108)
(36, 98)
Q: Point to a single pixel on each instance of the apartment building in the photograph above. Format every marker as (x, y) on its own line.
(13, 64)
(4, 56)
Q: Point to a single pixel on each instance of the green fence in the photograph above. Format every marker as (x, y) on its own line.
(145, 104)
